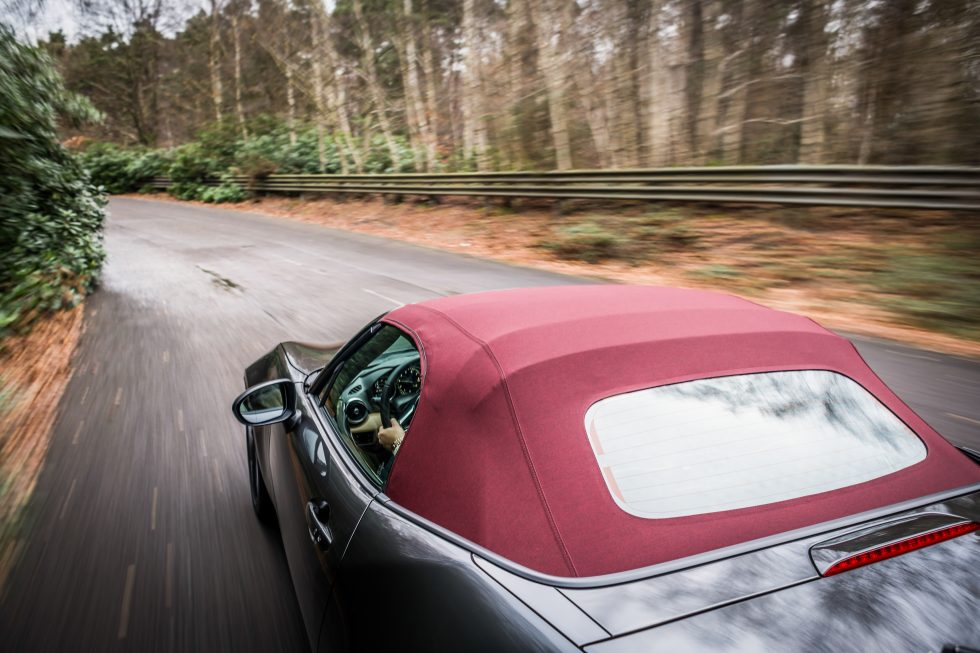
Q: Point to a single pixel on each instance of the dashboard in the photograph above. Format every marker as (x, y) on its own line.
(408, 382)
(359, 404)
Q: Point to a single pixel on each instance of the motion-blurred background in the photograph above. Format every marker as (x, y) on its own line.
(107, 400)
(398, 85)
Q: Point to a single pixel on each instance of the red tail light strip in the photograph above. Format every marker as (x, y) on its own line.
(900, 547)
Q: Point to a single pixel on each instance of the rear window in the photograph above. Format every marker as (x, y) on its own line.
(740, 441)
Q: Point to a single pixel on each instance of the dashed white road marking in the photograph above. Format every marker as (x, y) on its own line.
(189, 576)
(126, 602)
(384, 297)
(168, 579)
(180, 420)
(84, 395)
(960, 379)
(78, 431)
(204, 446)
(217, 476)
(118, 399)
(153, 510)
(64, 506)
(905, 353)
(965, 419)
(165, 357)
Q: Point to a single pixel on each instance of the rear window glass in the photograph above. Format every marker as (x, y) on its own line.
(740, 441)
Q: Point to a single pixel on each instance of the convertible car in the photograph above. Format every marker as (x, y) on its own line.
(609, 468)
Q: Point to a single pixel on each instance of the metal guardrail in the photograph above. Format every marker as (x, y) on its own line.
(914, 187)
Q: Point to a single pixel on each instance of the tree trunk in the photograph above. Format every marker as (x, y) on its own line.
(319, 94)
(431, 70)
(816, 80)
(618, 108)
(239, 109)
(290, 102)
(695, 74)
(673, 69)
(374, 85)
(214, 61)
(412, 121)
(276, 40)
(333, 96)
(734, 100)
(432, 73)
(514, 56)
(658, 92)
(415, 84)
(343, 117)
(708, 147)
(635, 74)
(474, 122)
(552, 21)
(598, 120)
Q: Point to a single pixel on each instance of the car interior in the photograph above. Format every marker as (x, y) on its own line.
(381, 380)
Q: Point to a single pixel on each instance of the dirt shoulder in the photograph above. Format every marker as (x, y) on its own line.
(912, 277)
(34, 371)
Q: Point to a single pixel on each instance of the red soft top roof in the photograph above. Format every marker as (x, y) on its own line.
(498, 451)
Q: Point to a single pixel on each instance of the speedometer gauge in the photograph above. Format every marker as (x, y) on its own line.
(409, 381)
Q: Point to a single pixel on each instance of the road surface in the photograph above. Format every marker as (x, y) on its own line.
(142, 537)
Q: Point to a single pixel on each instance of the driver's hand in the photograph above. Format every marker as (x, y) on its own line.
(392, 436)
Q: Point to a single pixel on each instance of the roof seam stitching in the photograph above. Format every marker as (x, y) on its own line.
(520, 434)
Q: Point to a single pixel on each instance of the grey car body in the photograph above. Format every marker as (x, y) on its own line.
(371, 575)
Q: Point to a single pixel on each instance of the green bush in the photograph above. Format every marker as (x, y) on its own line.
(190, 165)
(588, 242)
(51, 215)
(186, 190)
(378, 160)
(147, 165)
(221, 150)
(227, 191)
(122, 170)
(271, 151)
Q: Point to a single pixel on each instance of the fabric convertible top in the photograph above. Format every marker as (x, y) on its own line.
(497, 451)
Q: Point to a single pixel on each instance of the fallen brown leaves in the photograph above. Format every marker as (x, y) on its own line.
(789, 259)
(34, 370)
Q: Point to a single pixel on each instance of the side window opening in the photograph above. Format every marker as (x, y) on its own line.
(377, 383)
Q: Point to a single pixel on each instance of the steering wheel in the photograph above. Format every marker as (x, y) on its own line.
(388, 393)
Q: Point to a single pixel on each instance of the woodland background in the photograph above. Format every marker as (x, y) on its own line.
(198, 92)
(426, 85)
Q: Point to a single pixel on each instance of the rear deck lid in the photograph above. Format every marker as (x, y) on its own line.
(781, 598)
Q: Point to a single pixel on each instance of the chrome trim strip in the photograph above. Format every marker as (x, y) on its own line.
(660, 569)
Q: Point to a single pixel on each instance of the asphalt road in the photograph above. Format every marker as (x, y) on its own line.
(142, 535)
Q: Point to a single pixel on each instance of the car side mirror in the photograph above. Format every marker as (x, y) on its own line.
(266, 403)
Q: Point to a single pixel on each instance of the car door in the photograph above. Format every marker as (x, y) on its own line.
(318, 508)
(318, 504)
(324, 481)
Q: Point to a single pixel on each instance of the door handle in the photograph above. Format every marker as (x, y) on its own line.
(317, 517)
